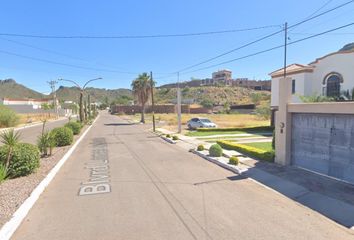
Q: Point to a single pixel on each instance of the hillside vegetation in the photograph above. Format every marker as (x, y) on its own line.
(9, 88)
(217, 95)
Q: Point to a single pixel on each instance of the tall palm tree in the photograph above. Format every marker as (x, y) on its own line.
(142, 87)
(9, 138)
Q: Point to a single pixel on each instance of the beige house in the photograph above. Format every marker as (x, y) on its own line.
(329, 75)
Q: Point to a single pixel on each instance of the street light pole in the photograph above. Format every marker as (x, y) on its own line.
(82, 89)
(152, 103)
(179, 105)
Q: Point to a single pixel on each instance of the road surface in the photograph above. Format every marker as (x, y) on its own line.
(30, 134)
(122, 182)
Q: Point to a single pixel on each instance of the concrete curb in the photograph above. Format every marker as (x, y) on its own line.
(10, 227)
(229, 167)
(168, 139)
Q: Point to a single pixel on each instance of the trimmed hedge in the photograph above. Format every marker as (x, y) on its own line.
(234, 160)
(74, 126)
(200, 148)
(63, 136)
(215, 150)
(248, 150)
(175, 138)
(247, 129)
(24, 159)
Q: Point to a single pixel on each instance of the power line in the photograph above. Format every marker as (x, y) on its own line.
(273, 48)
(138, 36)
(319, 9)
(62, 64)
(265, 37)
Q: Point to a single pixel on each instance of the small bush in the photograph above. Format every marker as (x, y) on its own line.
(8, 118)
(215, 150)
(168, 135)
(248, 150)
(200, 148)
(63, 136)
(234, 160)
(24, 159)
(3, 172)
(74, 126)
(175, 138)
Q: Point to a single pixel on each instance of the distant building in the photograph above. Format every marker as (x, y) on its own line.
(35, 103)
(260, 85)
(222, 77)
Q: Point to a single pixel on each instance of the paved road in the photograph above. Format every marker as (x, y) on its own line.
(30, 134)
(160, 191)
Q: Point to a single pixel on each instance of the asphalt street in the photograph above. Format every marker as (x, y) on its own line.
(30, 134)
(123, 182)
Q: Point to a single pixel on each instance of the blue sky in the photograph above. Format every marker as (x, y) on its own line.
(160, 55)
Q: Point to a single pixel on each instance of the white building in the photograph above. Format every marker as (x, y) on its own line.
(35, 103)
(330, 76)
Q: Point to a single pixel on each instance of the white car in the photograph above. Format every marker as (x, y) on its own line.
(195, 123)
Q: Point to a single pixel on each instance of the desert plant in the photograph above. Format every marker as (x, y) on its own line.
(3, 172)
(9, 138)
(46, 142)
(215, 150)
(175, 138)
(142, 87)
(263, 111)
(63, 136)
(8, 118)
(200, 147)
(234, 160)
(168, 135)
(74, 126)
(24, 159)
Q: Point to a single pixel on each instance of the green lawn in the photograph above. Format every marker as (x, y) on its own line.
(267, 146)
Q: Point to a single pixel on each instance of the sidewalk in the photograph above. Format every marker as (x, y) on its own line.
(330, 197)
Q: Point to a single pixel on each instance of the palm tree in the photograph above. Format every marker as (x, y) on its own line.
(10, 139)
(142, 87)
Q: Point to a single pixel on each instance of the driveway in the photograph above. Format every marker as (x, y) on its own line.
(123, 182)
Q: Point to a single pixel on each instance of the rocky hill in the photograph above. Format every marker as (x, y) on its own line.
(9, 88)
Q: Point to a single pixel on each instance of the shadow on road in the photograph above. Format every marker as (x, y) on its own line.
(119, 124)
(332, 198)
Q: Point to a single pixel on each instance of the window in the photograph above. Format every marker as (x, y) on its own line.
(333, 82)
(293, 86)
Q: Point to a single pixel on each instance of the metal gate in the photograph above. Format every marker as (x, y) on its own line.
(324, 143)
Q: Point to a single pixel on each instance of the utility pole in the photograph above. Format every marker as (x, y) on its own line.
(285, 47)
(152, 102)
(89, 105)
(52, 86)
(179, 105)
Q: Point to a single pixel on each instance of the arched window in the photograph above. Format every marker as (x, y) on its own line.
(332, 82)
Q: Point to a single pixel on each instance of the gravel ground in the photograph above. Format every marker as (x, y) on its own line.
(13, 192)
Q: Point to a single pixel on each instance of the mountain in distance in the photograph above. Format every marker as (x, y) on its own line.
(9, 88)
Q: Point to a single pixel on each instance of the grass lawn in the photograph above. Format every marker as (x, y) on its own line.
(267, 146)
(211, 133)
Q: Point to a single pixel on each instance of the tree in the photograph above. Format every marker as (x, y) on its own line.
(142, 87)
(10, 139)
(207, 103)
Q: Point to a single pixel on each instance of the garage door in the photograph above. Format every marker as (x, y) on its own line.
(324, 143)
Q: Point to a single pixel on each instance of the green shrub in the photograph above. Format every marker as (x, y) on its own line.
(74, 126)
(200, 147)
(24, 159)
(8, 118)
(247, 129)
(273, 140)
(3, 172)
(215, 150)
(248, 150)
(63, 136)
(175, 138)
(233, 160)
(168, 135)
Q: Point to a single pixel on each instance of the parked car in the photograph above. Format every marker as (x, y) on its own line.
(195, 123)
